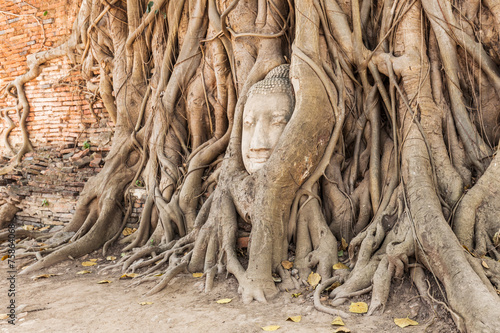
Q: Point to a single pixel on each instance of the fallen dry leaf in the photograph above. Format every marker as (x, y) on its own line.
(43, 276)
(340, 266)
(403, 322)
(342, 329)
(496, 239)
(83, 272)
(93, 260)
(146, 303)
(4, 316)
(338, 321)
(296, 295)
(44, 228)
(313, 279)
(88, 263)
(334, 285)
(343, 244)
(287, 264)
(159, 274)
(110, 258)
(360, 307)
(28, 227)
(197, 275)
(485, 265)
(295, 319)
(224, 300)
(128, 276)
(128, 231)
(103, 282)
(467, 249)
(270, 328)
(5, 257)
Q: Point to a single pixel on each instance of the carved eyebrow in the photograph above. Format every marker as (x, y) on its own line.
(280, 113)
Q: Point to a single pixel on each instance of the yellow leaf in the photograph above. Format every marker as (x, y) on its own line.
(296, 295)
(360, 307)
(4, 316)
(84, 272)
(28, 227)
(334, 285)
(43, 276)
(496, 239)
(314, 279)
(224, 300)
(93, 260)
(485, 265)
(159, 274)
(340, 266)
(128, 231)
(44, 228)
(287, 264)
(88, 263)
(403, 322)
(197, 275)
(342, 329)
(103, 282)
(338, 321)
(128, 276)
(467, 249)
(270, 328)
(146, 303)
(5, 257)
(343, 244)
(295, 319)
(110, 258)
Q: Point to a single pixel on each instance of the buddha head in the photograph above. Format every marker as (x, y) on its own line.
(268, 109)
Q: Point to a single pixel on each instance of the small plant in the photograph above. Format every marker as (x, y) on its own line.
(45, 13)
(45, 203)
(152, 242)
(86, 144)
(138, 183)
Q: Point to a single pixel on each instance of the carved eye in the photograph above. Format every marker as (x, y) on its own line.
(247, 122)
(279, 120)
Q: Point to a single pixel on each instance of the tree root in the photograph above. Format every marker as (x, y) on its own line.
(317, 302)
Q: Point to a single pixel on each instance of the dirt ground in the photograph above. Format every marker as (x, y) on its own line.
(77, 303)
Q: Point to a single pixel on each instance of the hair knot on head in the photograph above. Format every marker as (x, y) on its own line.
(276, 81)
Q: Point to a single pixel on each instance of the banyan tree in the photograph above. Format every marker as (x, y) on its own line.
(312, 125)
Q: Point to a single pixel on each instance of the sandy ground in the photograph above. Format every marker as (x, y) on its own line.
(77, 303)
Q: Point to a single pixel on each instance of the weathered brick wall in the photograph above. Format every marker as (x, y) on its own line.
(59, 108)
(47, 183)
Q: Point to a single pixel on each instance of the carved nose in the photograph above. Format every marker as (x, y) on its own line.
(260, 139)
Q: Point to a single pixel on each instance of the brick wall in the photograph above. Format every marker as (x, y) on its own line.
(59, 108)
(47, 183)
